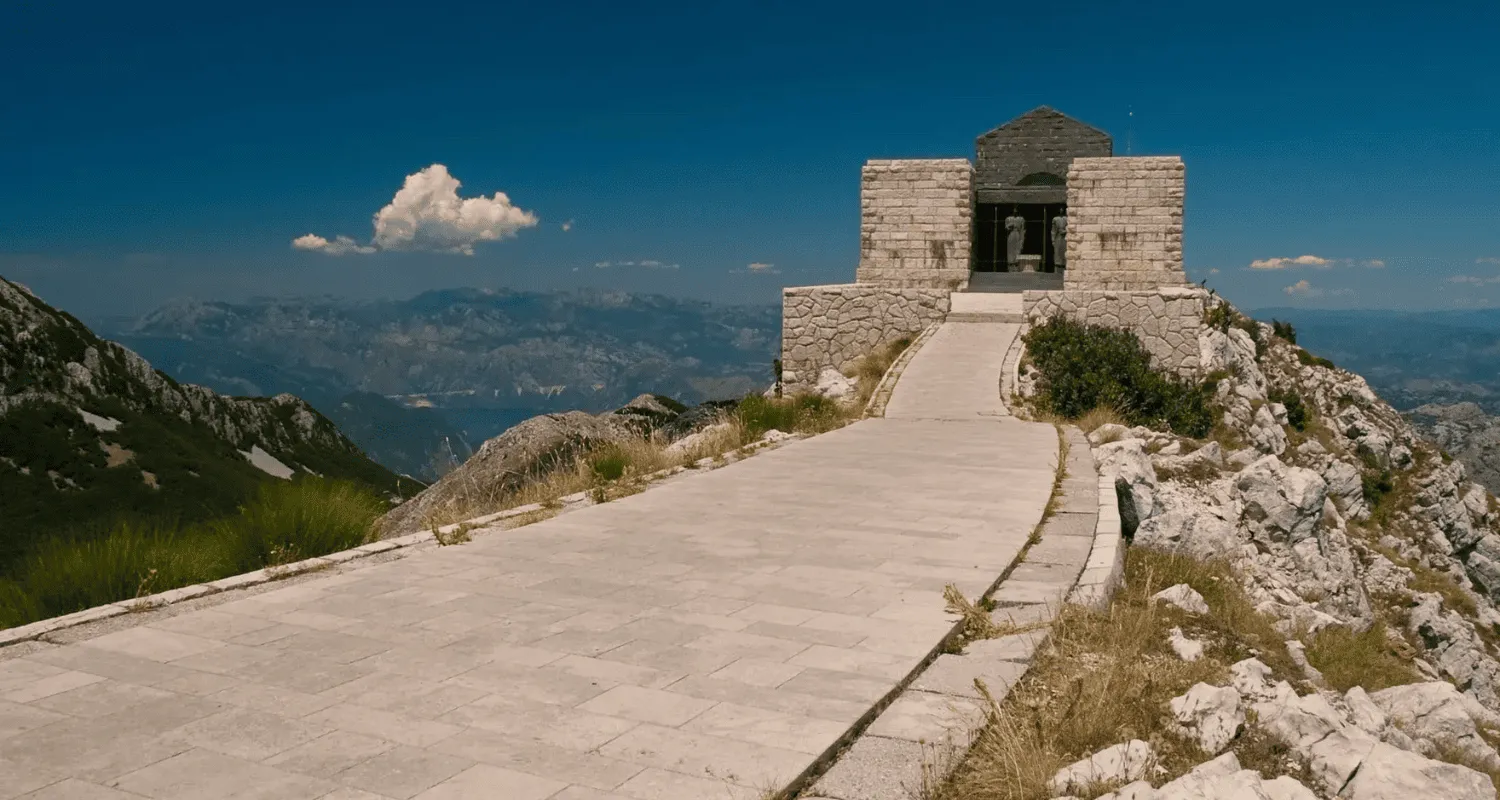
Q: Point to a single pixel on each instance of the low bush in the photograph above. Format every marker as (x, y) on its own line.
(1296, 411)
(1284, 331)
(1082, 367)
(1310, 360)
(801, 412)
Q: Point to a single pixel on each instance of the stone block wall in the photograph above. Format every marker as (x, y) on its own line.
(1166, 320)
(833, 326)
(916, 222)
(1125, 223)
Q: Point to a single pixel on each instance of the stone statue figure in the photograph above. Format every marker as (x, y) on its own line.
(1015, 233)
(1060, 241)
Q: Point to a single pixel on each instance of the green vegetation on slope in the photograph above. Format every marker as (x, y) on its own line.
(286, 521)
(1082, 367)
(163, 450)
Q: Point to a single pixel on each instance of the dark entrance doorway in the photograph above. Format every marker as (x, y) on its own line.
(990, 233)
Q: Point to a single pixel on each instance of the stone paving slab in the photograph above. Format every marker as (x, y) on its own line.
(719, 631)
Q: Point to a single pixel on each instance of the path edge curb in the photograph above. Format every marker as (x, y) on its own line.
(930, 761)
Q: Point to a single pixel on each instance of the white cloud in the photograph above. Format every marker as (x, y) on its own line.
(1487, 260)
(762, 268)
(1476, 280)
(1375, 263)
(428, 215)
(1303, 289)
(1213, 271)
(647, 264)
(341, 245)
(1288, 263)
(567, 226)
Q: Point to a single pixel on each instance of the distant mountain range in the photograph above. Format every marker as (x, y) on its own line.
(420, 383)
(1410, 358)
(92, 435)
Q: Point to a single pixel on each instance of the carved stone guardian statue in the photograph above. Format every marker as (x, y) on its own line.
(1015, 233)
(1060, 241)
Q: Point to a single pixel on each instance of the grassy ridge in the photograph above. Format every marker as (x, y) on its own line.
(284, 522)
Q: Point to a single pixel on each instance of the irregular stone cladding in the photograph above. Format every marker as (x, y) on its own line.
(832, 326)
(916, 222)
(1167, 320)
(1125, 223)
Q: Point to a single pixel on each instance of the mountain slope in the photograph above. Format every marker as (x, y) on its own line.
(484, 359)
(91, 434)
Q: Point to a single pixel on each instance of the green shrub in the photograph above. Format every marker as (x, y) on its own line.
(609, 464)
(1082, 367)
(1310, 360)
(290, 521)
(800, 412)
(1296, 412)
(1284, 330)
(1376, 485)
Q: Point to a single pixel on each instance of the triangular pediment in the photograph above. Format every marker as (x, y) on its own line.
(1044, 116)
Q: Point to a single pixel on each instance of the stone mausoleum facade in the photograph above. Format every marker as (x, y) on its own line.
(1045, 211)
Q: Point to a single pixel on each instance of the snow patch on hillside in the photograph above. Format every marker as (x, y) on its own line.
(267, 463)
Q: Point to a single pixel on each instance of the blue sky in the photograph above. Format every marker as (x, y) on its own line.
(155, 150)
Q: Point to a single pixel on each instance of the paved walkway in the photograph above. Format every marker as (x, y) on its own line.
(705, 639)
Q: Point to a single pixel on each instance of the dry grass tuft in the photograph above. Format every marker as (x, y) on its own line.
(1104, 677)
(1373, 658)
(1100, 416)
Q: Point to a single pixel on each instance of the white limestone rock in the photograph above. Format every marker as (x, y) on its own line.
(1212, 713)
(1389, 773)
(1184, 597)
(1438, 713)
(1129, 761)
(1282, 504)
(1266, 433)
(1185, 648)
(701, 438)
(1138, 790)
(1128, 464)
(834, 385)
(774, 436)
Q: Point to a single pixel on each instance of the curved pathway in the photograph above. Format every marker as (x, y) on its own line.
(711, 637)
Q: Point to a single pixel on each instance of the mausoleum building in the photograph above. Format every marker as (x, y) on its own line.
(1045, 216)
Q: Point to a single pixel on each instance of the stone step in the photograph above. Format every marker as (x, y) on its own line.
(1011, 318)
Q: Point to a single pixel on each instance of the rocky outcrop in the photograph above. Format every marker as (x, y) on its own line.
(529, 450)
(1466, 432)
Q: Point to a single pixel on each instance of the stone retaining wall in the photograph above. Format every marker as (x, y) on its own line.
(832, 326)
(916, 222)
(1166, 320)
(1125, 223)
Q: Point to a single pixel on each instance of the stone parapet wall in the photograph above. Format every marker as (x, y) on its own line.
(833, 326)
(916, 222)
(1167, 321)
(1125, 223)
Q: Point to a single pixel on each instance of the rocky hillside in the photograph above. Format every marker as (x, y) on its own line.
(1465, 432)
(91, 434)
(1374, 552)
(482, 359)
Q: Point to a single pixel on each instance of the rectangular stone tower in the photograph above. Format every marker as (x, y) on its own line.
(1125, 224)
(916, 217)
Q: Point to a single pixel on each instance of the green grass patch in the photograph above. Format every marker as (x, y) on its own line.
(1370, 658)
(284, 522)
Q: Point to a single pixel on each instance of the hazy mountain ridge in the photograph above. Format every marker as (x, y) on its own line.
(482, 358)
(1411, 358)
(91, 433)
